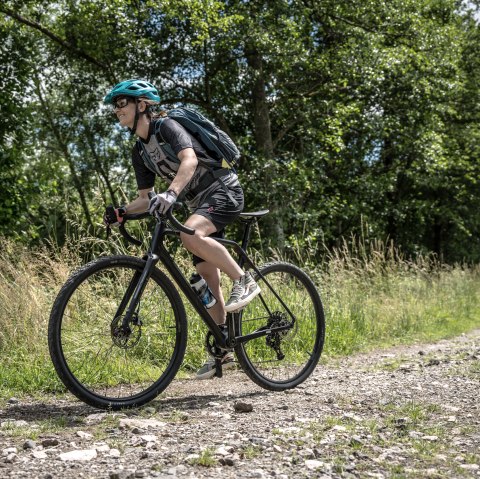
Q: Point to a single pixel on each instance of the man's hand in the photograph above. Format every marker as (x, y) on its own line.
(162, 202)
(114, 216)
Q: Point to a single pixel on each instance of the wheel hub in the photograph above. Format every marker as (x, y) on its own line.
(129, 337)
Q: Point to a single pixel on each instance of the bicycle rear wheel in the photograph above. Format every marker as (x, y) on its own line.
(95, 361)
(283, 359)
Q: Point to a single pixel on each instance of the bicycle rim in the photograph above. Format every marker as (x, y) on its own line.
(98, 364)
(282, 360)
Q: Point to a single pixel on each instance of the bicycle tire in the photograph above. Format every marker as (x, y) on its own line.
(97, 365)
(301, 345)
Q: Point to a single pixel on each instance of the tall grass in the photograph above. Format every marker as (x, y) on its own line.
(375, 297)
(372, 296)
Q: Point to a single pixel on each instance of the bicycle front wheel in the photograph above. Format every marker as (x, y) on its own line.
(94, 358)
(295, 331)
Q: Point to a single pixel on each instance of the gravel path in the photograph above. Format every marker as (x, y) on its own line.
(407, 412)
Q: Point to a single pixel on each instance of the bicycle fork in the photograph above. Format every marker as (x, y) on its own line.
(134, 292)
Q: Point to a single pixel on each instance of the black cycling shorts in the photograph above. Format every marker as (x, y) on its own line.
(220, 210)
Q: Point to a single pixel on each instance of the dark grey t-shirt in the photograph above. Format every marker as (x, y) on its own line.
(179, 139)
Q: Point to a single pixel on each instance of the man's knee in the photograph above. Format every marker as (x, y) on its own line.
(192, 242)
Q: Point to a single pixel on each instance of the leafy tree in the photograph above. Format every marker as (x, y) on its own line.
(354, 117)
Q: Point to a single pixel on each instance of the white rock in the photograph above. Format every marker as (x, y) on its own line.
(114, 453)
(12, 457)
(430, 438)
(149, 438)
(9, 450)
(339, 428)
(102, 447)
(223, 451)
(141, 423)
(84, 435)
(79, 455)
(470, 467)
(39, 454)
(14, 423)
(313, 464)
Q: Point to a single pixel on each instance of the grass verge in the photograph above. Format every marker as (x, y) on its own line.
(372, 299)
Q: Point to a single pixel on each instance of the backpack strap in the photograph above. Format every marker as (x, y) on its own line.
(211, 176)
(167, 149)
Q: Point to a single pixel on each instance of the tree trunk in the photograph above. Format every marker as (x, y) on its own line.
(99, 168)
(261, 113)
(263, 140)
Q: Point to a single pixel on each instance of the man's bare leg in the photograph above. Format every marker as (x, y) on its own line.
(207, 248)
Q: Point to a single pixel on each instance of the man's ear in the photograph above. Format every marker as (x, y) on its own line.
(142, 106)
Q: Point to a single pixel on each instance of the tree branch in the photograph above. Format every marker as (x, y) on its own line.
(54, 37)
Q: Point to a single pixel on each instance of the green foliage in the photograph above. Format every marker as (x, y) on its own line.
(348, 113)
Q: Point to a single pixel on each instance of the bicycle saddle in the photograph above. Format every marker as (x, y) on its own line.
(254, 214)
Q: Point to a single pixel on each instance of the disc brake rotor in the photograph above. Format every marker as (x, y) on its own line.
(129, 338)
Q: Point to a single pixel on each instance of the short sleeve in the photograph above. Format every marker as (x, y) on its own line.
(145, 177)
(176, 135)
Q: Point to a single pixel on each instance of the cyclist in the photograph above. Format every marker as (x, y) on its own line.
(214, 204)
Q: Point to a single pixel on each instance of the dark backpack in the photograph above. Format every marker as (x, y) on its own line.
(216, 142)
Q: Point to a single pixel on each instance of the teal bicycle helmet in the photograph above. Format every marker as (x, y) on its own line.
(134, 88)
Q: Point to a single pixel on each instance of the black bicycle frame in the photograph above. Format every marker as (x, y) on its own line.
(158, 252)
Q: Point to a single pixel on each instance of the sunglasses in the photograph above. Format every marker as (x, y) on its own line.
(120, 103)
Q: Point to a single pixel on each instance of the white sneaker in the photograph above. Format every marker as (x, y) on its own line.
(243, 291)
(207, 371)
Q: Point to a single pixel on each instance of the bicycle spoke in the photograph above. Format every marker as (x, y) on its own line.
(104, 360)
(291, 345)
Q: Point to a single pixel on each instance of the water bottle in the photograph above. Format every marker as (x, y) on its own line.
(201, 288)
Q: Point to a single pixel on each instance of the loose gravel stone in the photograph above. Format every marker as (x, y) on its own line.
(243, 407)
(50, 442)
(79, 455)
(29, 444)
(360, 416)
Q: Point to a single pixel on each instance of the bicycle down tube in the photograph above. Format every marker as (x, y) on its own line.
(158, 253)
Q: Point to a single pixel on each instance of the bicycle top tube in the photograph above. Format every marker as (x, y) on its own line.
(247, 217)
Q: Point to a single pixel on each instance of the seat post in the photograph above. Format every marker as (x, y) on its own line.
(245, 239)
(249, 219)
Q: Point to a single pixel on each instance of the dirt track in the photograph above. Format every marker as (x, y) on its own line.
(409, 412)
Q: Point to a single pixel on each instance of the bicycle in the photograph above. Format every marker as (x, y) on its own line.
(117, 332)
